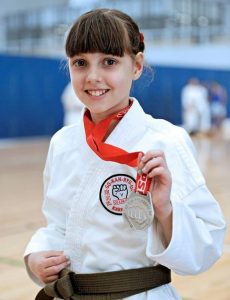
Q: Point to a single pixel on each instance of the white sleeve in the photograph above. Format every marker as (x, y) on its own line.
(198, 224)
(50, 237)
(197, 238)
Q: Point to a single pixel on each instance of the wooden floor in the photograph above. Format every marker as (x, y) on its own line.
(21, 166)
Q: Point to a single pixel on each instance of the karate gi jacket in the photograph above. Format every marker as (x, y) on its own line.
(82, 204)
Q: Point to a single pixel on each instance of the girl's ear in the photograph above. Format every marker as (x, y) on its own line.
(138, 65)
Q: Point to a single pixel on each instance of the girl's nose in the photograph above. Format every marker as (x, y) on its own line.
(93, 75)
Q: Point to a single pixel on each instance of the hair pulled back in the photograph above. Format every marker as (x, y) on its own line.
(108, 31)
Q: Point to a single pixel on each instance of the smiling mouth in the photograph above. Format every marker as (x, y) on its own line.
(96, 93)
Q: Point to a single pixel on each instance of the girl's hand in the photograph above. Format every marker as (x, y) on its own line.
(46, 265)
(153, 163)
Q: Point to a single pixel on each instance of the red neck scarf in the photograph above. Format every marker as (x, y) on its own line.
(95, 134)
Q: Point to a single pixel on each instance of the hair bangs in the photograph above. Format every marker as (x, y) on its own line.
(98, 33)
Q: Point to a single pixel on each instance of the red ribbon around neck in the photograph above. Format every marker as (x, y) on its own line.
(95, 134)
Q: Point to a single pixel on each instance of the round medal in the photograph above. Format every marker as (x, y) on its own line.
(138, 211)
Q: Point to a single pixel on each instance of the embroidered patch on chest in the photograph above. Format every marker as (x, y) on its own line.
(114, 192)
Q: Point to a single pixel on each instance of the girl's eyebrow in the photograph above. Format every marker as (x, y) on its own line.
(77, 56)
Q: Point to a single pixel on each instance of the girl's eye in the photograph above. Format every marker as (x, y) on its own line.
(109, 61)
(80, 63)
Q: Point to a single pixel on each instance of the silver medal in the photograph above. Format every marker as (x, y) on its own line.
(138, 211)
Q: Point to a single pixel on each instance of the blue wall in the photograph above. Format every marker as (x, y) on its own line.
(30, 92)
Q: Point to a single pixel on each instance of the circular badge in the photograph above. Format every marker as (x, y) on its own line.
(114, 192)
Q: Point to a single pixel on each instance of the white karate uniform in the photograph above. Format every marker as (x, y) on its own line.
(195, 108)
(72, 105)
(98, 240)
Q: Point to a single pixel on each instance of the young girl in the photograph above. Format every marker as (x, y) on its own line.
(123, 191)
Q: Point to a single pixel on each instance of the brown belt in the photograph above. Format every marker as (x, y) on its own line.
(105, 285)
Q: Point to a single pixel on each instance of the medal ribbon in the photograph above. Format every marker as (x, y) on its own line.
(95, 134)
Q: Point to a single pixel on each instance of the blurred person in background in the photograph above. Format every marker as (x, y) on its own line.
(195, 107)
(218, 102)
(71, 104)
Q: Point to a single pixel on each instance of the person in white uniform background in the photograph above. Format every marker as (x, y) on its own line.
(195, 107)
(71, 104)
(92, 166)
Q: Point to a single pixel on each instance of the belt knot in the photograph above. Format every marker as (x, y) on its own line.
(61, 288)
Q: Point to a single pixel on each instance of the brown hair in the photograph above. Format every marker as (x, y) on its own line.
(108, 31)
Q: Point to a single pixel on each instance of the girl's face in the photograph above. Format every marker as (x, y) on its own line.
(103, 82)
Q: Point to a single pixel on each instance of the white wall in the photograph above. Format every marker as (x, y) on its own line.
(206, 56)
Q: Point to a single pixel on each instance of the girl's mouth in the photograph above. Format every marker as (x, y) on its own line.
(96, 93)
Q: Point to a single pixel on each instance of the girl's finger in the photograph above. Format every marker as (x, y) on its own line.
(151, 154)
(50, 279)
(159, 171)
(153, 163)
(54, 270)
(48, 254)
(140, 164)
(56, 260)
(140, 155)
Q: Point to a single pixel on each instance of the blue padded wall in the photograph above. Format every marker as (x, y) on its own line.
(30, 90)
